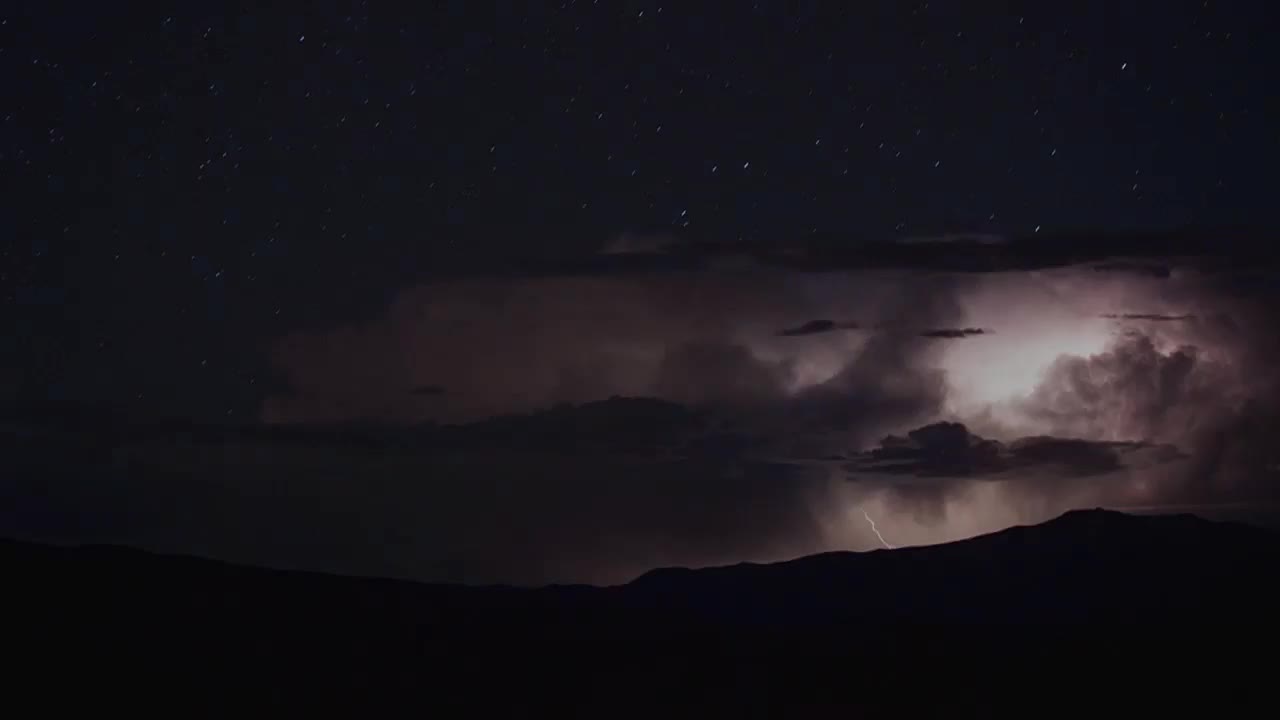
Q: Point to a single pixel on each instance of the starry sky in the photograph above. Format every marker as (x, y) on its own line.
(567, 292)
(185, 187)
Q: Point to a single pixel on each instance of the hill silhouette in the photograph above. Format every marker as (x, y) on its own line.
(1091, 592)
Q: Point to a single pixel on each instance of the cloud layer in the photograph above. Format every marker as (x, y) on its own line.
(949, 450)
(589, 426)
(1062, 397)
(814, 327)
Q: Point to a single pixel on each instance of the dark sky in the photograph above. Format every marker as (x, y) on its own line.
(182, 187)
(567, 292)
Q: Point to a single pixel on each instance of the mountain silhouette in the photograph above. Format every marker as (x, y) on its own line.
(1090, 590)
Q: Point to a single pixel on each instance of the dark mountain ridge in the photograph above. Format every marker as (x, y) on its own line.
(836, 628)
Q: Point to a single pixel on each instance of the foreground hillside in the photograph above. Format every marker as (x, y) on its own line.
(1089, 600)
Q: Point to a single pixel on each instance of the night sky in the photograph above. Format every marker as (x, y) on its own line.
(241, 216)
(184, 187)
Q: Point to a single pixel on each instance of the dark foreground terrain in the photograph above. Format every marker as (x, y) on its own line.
(1094, 611)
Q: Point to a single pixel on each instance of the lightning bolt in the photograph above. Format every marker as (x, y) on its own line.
(875, 530)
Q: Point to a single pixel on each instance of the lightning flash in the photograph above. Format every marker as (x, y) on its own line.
(876, 530)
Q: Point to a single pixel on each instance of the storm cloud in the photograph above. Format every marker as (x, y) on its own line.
(1068, 407)
(592, 425)
(698, 338)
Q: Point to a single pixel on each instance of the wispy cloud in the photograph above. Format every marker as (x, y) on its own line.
(953, 333)
(1153, 317)
(815, 327)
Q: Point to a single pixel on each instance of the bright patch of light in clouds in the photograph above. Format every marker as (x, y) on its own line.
(1009, 364)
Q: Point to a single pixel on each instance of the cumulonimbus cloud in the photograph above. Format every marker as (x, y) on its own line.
(1158, 412)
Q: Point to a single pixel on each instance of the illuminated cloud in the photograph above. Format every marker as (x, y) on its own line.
(1054, 404)
(1132, 389)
